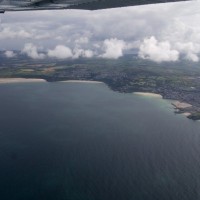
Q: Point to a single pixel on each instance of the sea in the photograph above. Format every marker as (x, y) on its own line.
(83, 141)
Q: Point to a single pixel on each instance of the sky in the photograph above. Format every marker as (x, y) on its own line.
(162, 32)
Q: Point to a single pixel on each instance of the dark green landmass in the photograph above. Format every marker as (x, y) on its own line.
(173, 80)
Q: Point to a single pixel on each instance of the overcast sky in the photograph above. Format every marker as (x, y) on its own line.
(164, 32)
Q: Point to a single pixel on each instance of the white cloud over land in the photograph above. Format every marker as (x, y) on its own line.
(190, 50)
(64, 52)
(61, 52)
(162, 32)
(8, 33)
(113, 48)
(10, 54)
(32, 51)
(157, 51)
(83, 53)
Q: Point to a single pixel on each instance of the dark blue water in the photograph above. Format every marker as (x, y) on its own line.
(73, 141)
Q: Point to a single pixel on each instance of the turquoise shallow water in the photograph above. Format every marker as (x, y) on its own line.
(83, 141)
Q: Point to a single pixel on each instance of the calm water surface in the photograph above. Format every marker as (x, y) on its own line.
(75, 141)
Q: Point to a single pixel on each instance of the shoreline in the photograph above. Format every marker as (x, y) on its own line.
(187, 114)
(20, 80)
(149, 94)
(182, 107)
(35, 80)
(179, 107)
(80, 81)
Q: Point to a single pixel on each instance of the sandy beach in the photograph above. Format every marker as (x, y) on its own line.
(80, 81)
(20, 80)
(148, 94)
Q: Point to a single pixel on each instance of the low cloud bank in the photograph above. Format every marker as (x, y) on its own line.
(160, 51)
(110, 49)
(161, 32)
(77, 52)
(64, 52)
(189, 50)
(61, 52)
(8, 33)
(113, 48)
(10, 54)
(157, 51)
(151, 48)
(32, 51)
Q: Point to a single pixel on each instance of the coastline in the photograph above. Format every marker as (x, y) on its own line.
(20, 80)
(187, 114)
(80, 81)
(183, 108)
(35, 80)
(181, 105)
(149, 94)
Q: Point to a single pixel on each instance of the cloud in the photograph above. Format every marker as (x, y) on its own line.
(88, 54)
(61, 52)
(108, 33)
(157, 51)
(71, 27)
(10, 54)
(82, 53)
(189, 50)
(64, 52)
(192, 57)
(113, 48)
(82, 40)
(181, 37)
(7, 33)
(32, 51)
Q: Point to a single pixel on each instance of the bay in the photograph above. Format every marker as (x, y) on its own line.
(82, 141)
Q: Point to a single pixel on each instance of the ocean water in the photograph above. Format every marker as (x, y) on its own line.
(81, 141)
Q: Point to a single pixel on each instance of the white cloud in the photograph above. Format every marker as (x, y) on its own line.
(7, 33)
(82, 53)
(42, 36)
(88, 53)
(58, 38)
(189, 50)
(157, 51)
(64, 52)
(175, 26)
(32, 51)
(192, 57)
(10, 54)
(113, 48)
(82, 40)
(61, 52)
